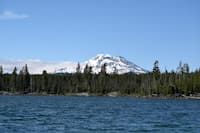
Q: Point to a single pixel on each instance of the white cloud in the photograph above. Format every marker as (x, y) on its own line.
(36, 66)
(9, 15)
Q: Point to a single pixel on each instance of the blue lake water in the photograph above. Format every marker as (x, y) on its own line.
(60, 114)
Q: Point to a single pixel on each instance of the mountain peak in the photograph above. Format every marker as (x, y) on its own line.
(114, 64)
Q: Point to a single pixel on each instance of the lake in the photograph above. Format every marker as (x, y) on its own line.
(60, 114)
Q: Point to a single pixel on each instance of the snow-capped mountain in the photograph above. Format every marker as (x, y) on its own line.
(114, 64)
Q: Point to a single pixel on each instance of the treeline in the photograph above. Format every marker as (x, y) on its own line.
(181, 82)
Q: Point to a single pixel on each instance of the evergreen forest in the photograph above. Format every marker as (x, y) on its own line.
(173, 83)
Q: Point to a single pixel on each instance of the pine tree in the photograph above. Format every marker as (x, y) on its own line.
(44, 81)
(1, 78)
(88, 78)
(1, 70)
(103, 69)
(156, 75)
(156, 70)
(13, 82)
(87, 69)
(186, 68)
(78, 78)
(103, 79)
(27, 79)
(78, 68)
(20, 82)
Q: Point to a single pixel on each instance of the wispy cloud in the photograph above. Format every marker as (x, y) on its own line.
(9, 15)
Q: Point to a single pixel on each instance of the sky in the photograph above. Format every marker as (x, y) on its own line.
(142, 31)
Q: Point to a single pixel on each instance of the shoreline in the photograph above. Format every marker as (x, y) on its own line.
(112, 94)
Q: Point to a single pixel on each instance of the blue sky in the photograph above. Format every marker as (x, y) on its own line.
(140, 30)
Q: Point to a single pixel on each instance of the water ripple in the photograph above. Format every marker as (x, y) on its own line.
(22, 114)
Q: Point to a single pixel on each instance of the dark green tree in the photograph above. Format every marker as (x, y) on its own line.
(78, 68)
(44, 81)
(87, 78)
(186, 68)
(156, 70)
(26, 79)
(1, 70)
(103, 78)
(1, 78)
(20, 82)
(156, 76)
(103, 69)
(13, 81)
